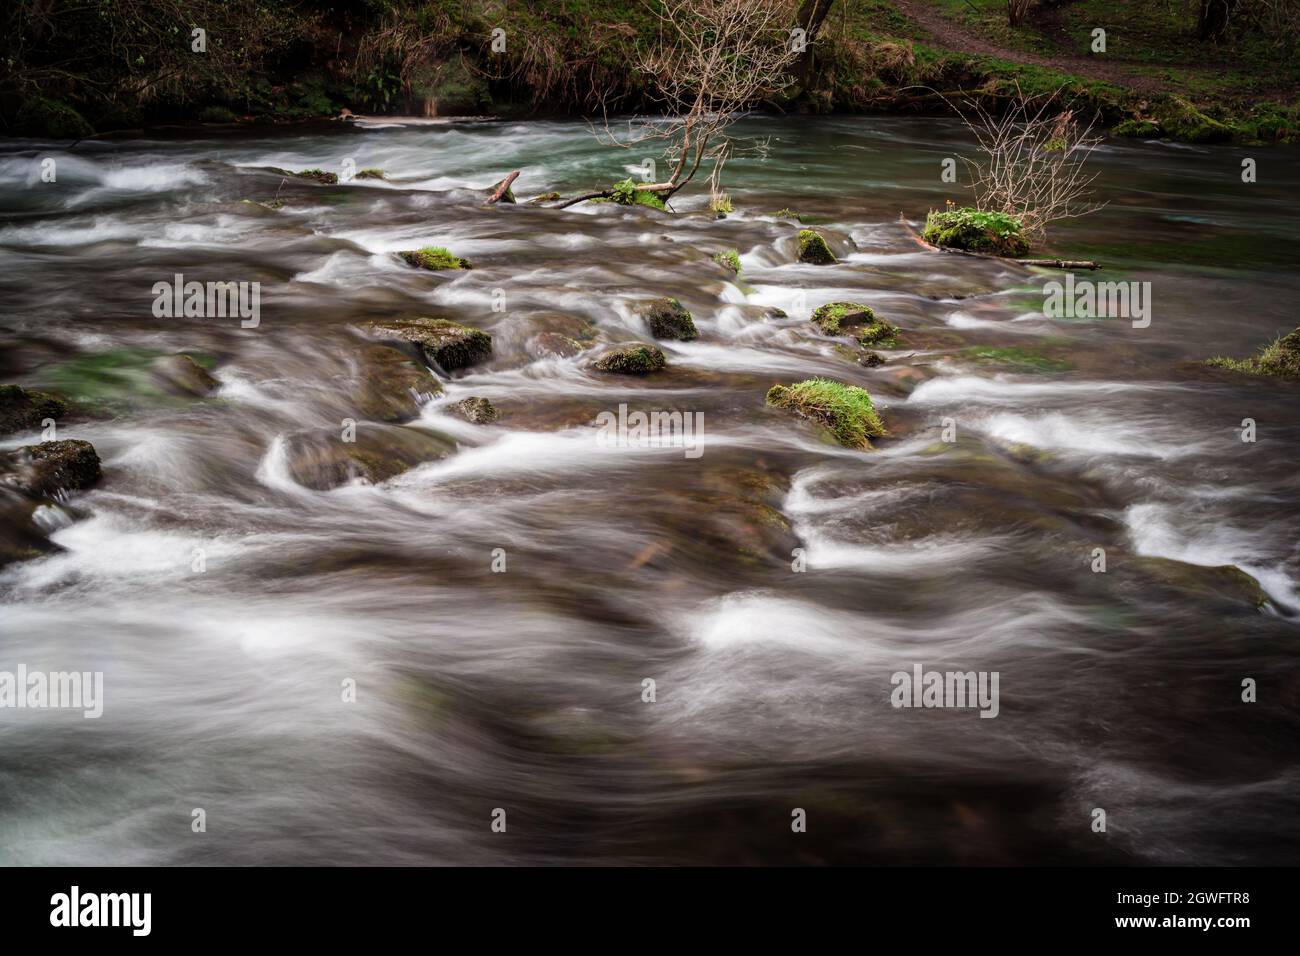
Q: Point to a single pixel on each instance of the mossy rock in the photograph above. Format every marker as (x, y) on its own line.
(544, 197)
(435, 259)
(845, 411)
(1226, 582)
(23, 409)
(181, 375)
(632, 360)
(729, 259)
(42, 116)
(1137, 129)
(995, 233)
(446, 344)
(318, 176)
(1183, 121)
(393, 387)
(1279, 359)
(668, 319)
(52, 467)
(476, 410)
(856, 319)
(813, 249)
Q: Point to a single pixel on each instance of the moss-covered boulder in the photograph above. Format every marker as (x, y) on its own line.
(668, 319)
(475, 409)
(1137, 129)
(446, 344)
(1183, 121)
(370, 173)
(813, 249)
(318, 176)
(845, 411)
(853, 318)
(729, 259)
(434, 258)
(631, 360)
(995, 233)
(52, 467)
(1279, 359)
(24, 409)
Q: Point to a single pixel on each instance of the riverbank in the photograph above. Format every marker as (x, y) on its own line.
(444, 58)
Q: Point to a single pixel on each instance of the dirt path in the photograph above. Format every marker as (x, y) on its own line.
(951, 35)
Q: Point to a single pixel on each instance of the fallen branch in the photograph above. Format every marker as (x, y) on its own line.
(1045, 263)
(609, 193)
(502, 188)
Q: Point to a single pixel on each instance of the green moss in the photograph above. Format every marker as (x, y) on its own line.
(1183, 121)
(22, 409)
(669, 319)
(632, 360)
(1279, 359)
(846, 411)
(1137, 129)
(1024, 358)
(435, 258)
(730, 258)
(42, 116)
(319, 176)
(854, 318)
(813, 249)
(371, 173)
(787, 214)
(625, 193)
(996, 233)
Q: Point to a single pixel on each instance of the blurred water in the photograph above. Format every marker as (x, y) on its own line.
(522, 690)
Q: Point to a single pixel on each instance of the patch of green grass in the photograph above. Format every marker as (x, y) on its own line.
(845, 411)
(975, 230)
(435, 258)
(730, 258)
(1279, 359)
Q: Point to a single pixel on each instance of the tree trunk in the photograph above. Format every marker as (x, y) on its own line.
(812, 13)
(1212, 23)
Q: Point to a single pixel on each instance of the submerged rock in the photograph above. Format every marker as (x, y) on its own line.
(393, 387)
(1226, 583)
(668, 319)
(446, 344)
(813, 249)
(322, 460)
(23, 409)
(845, 411)
(476, 410)
(632, 360)
(51, 467)
(435, 259)
(181, 374)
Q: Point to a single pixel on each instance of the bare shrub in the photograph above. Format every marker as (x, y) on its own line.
(1031, 160)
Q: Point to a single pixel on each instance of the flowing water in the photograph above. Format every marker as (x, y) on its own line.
(479, 688)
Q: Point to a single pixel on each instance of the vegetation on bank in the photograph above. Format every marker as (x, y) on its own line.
(74, 69)
(1279, 359)
(995, 233)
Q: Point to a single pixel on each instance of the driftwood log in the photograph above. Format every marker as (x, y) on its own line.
(502, 188)
(1045, 263)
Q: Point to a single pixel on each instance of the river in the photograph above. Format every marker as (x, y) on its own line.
(499, 606)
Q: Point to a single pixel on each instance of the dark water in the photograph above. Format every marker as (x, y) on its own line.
(522, 690)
